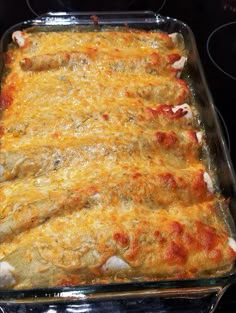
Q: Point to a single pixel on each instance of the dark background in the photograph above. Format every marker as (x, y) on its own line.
(203, 16)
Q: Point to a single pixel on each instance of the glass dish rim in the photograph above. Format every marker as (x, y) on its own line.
(131, 17)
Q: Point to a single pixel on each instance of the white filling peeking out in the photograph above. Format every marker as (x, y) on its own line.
(174, 37)
(186, 108)
(199, 136)
(179, 65)
(18, 38)
(115, 264)
(232, 243)
(6, 276)
(208, 181)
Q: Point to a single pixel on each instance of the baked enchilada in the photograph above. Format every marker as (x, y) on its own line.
(103, 176)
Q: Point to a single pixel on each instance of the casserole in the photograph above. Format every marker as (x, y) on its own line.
(215, 142)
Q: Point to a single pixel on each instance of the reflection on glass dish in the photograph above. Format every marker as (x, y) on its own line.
(225, 128)
(41, 7)
(221, 49)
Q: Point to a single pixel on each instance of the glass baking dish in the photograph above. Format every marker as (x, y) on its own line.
(203, 292)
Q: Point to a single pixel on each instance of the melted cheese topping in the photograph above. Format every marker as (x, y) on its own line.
(100, 175)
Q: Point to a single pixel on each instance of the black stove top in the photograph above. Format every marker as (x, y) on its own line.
(213, 23)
